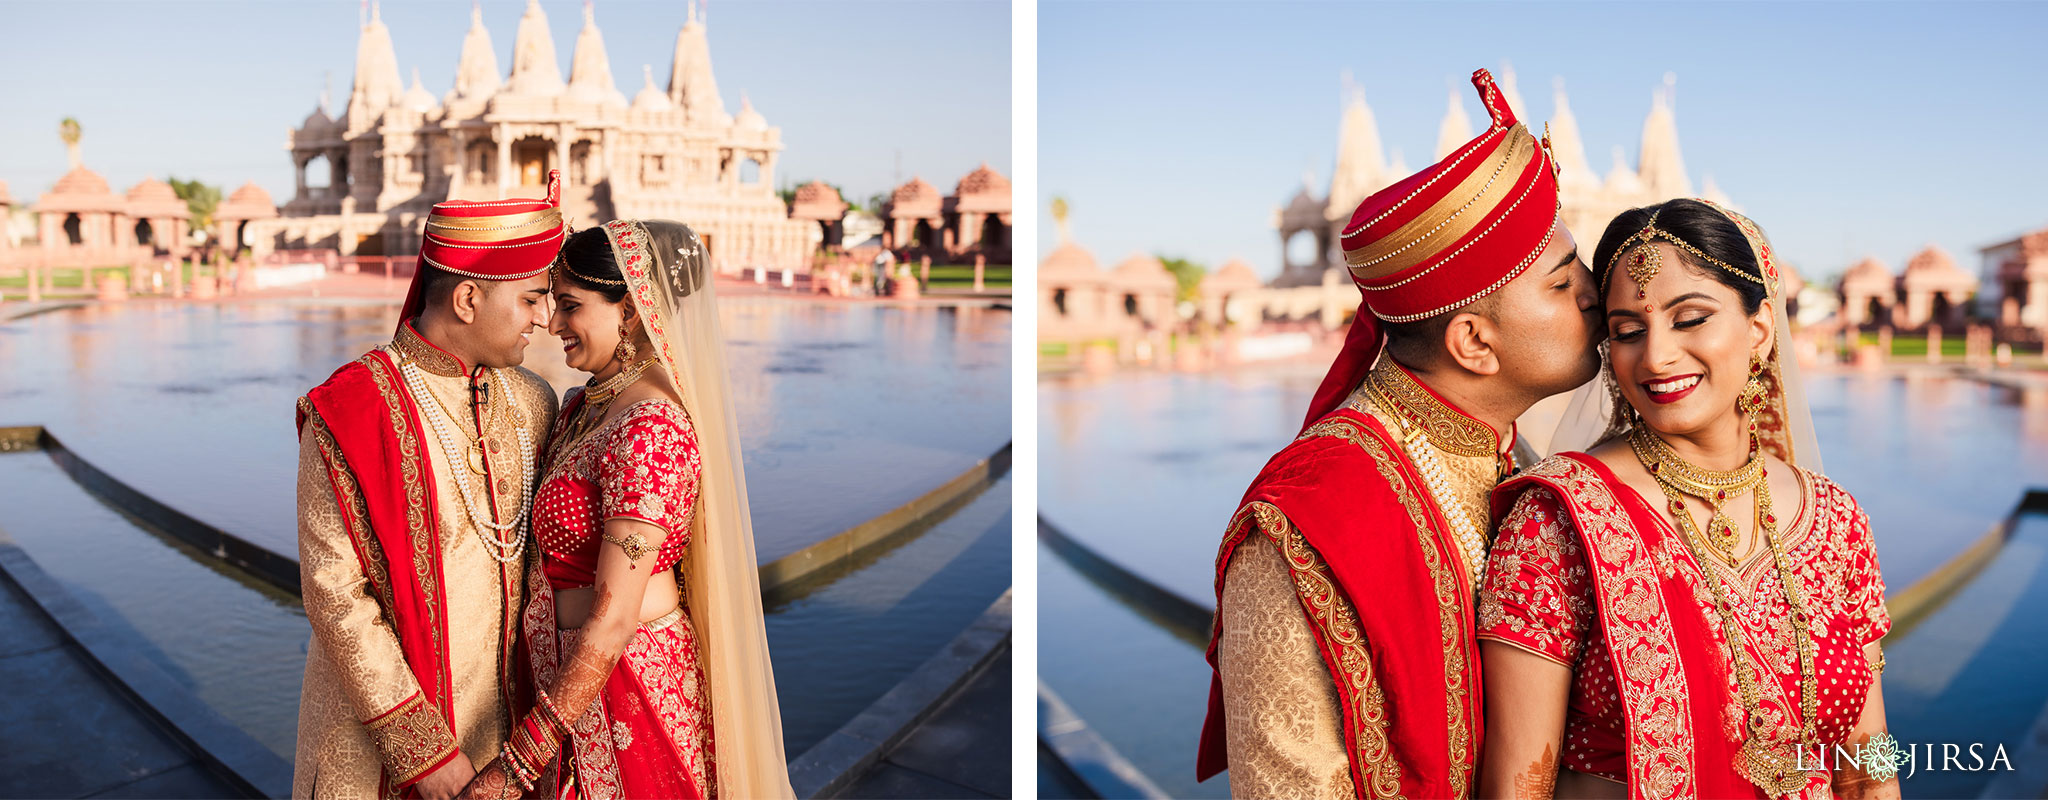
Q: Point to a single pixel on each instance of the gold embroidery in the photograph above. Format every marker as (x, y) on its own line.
(425, 543)
(1454, 607)
(1337, 620)
(429, 357)
(411, 737)
(355, 513)
(1449, 429)
(1637, 627)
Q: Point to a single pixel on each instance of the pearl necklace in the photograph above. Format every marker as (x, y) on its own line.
(500, 550)
(1465, 531)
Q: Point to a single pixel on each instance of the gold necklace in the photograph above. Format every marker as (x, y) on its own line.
(597, 400)
(1772, 764)
(1714, 487)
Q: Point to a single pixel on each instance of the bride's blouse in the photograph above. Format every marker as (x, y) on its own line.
(642, 464)
(1539, 595)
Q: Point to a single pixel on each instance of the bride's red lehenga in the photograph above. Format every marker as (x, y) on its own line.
(649, 733)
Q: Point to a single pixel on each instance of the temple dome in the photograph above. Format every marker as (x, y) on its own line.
(1069, 264)
(650, 98)
(535, 72)
(317, 122)
(1869, 275)
(154, 198)
(982, 181)
(418, 99)
(590, 69)
(749, 119)
(1933, 269)
(250, 194)
(1233, 276)
(1144, 272)
(82, 182)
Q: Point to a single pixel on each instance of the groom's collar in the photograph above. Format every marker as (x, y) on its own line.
(1422, 410)
(428, 355)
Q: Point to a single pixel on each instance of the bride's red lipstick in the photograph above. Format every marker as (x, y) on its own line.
(1672, 397)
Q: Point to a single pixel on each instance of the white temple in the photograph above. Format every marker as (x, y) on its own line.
(1589, 200)
(673, 153)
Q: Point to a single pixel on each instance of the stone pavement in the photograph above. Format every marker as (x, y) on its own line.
(72, 733)
(961, 751)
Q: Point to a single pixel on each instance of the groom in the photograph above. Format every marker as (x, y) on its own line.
(416, 466)
(1343, 648)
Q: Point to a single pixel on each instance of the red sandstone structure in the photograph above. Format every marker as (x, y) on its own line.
(2015, 273)
(819, 203)
(1932, 293)
(974, 220)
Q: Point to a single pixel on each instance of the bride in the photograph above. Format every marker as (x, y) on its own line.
(651, 675)
(1688, 608)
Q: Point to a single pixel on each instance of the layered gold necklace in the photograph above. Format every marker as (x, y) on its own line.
(1772, 763)
(598, 397)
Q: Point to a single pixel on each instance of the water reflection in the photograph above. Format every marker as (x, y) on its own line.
(846, 411)
(1146, 468)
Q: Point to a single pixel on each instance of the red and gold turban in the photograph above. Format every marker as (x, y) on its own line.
(1444, 237)
(493, 240)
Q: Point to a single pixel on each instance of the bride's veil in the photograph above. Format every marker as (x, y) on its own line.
(1596, 412)
(670, 284)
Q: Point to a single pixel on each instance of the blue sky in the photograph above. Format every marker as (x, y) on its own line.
(208, 88)
(1844, 129)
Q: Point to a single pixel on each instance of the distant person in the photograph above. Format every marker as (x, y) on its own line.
(1684, 606)
(644, 626)
(416, 465)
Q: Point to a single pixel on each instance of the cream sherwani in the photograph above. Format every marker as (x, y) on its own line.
(362, 729)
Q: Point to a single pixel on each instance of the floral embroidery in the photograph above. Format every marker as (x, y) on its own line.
(1336, 623)
(411, 737)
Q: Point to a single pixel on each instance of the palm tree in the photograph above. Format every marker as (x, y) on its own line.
(71, 133)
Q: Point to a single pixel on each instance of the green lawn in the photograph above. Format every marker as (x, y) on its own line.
(66, 278)
(962, 275)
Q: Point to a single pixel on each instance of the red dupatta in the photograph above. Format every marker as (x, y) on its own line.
(383, 454)
(1405, 663)
(1667, 658)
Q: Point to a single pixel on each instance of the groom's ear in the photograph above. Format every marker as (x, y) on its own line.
(466, 300)
(1469, 342)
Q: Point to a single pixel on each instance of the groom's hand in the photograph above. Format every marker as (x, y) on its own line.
(445, 782)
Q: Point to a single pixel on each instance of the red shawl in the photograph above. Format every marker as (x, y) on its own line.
(1406, 664)
(1667, 661)
(374, 423)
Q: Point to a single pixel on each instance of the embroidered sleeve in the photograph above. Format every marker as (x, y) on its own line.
(1282, 713)
(1869, 620)
(342, 584)
(650, 473)
(1537, 594)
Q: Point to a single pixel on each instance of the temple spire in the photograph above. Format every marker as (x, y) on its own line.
(690, 84)
(1456, 129)
(476, 73)
(590, 71)
(1565, 143)
(1660, 166)
(535, 72)
(378, 84)
(1361, 160)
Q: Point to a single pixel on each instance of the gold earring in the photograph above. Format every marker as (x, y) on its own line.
(626, 349)
(1753, 398)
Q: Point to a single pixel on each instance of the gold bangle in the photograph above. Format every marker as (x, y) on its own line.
(1877, 667)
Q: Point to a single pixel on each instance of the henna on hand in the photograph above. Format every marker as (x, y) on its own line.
(1539, 781)
(494, 782)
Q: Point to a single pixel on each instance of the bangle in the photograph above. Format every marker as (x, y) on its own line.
(510, 756)
(547, 707)
(1877, 667)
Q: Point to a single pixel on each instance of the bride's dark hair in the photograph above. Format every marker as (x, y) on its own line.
(1701, 226)
(590, 253)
